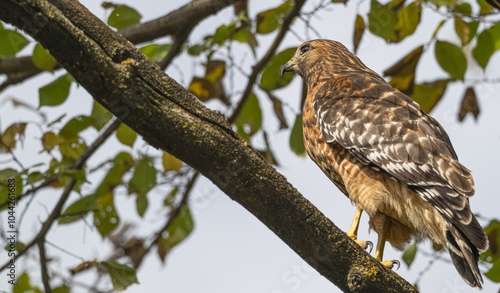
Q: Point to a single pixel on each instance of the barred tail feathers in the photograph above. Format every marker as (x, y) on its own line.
(464, 255)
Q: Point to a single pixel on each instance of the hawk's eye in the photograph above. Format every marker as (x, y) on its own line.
(304, 49)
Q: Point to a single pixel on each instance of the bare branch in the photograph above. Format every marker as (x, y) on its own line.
(287, 20)
(43, 265)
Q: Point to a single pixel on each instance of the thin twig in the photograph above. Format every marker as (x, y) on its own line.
(175, 212)
(77, 165)
(43, 265)
(180, 39)
(287, 20)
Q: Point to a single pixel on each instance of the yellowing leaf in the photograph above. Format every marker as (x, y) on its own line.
(359, 30)
(429, 94)
(11, 135)
(42, 59)
(403, 72)
(408, 19)
(171, 163)
(50, 140)
(462, 30)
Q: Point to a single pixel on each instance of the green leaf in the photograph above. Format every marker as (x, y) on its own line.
(271, 76)
(463, 8)
(100, 116)
(78, 209)
(61, 289)
(269, 20)
(123, 16)
(56, 92)
(126, 135)
(105, 217)
(447, 3)
(171, 163)
(143, 180)
(11, 42)
(429, 94)
(179, 229)
(494, 273)
(409, 254)
(408, 19)
(249, 121)
(488, 42)
(34, 177)
(122, 276)
(451, 58)
(297, 138)
(486, 8)
(75, 126)
(156, 52)
(493, 232)
(42, 59)
(382, 21)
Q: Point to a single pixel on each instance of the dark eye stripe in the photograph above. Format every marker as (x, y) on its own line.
(304, 49)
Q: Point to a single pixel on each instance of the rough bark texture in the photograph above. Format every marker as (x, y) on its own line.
(142, 96)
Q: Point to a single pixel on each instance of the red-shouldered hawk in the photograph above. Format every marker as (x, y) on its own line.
(387, 155)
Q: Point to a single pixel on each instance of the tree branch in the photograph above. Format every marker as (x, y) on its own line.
(137, 91)
(43, 265)
(174, 22)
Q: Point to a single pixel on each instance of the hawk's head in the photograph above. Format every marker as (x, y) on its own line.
(319, 60)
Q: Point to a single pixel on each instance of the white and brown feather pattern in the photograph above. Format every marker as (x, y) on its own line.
(388, 131)
(387, 155)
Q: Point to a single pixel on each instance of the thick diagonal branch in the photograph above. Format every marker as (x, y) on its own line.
(137, 91)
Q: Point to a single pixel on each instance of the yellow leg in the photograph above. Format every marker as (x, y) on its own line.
(353, 231)
(379, 252)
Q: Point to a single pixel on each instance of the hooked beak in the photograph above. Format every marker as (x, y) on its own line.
(288, 67)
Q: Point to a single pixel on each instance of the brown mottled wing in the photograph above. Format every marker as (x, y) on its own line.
(388, 131)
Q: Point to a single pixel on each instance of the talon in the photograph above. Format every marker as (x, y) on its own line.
(390, 263)
(395, 261)
(370, 244)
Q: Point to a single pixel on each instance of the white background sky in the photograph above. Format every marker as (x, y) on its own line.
(230, 250)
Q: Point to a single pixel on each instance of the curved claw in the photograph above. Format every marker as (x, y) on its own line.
(390, 263)
(369, 244)
(395, 261)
